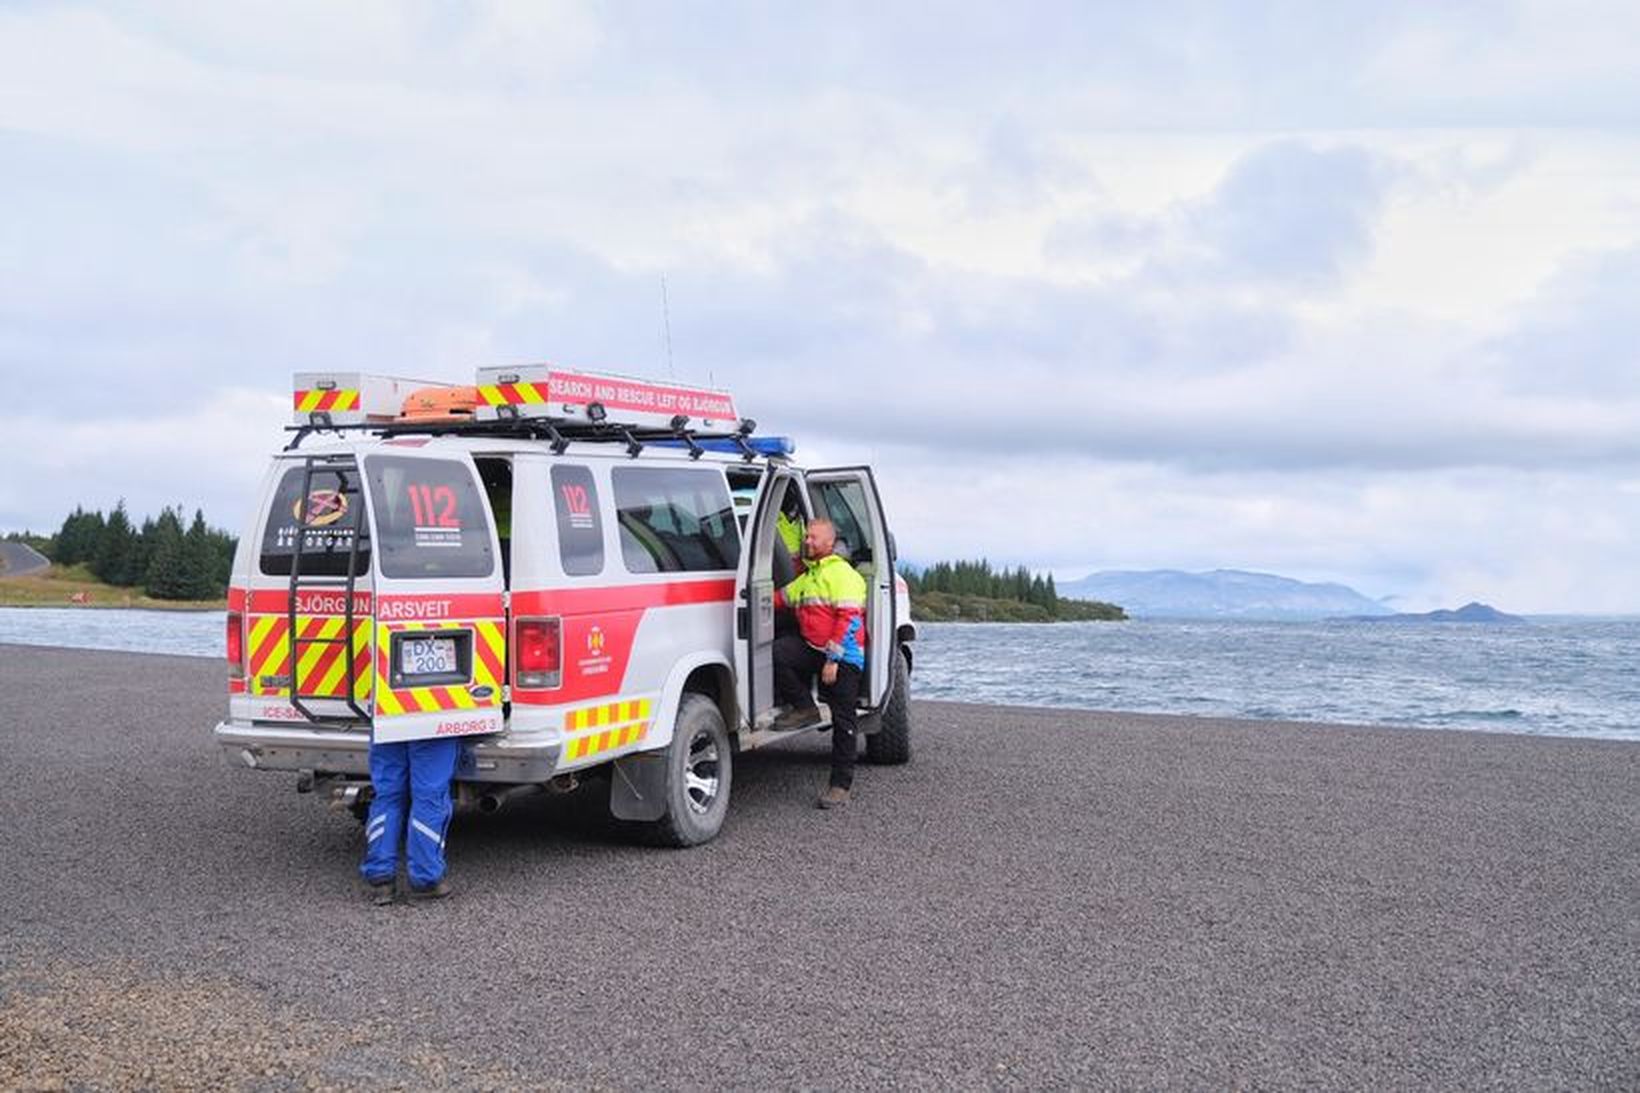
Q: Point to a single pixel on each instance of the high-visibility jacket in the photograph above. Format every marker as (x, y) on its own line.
(791, 533)
(830, 600)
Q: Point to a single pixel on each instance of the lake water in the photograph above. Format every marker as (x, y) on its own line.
(1555, 677)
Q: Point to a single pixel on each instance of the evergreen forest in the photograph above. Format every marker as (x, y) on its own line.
(164, 558)
(974, 591)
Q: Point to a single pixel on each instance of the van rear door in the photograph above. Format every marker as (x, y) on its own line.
(440, 615)
(847, 496)
(301, 624)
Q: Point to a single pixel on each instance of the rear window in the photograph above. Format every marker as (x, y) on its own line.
(331, 518)
(431, 520)
(675, 520)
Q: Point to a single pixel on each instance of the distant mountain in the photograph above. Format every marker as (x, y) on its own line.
(1469, 612)
(1220, 594)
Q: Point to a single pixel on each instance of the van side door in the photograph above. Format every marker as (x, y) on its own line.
(754, 600)
(440, 640)
(847, 496)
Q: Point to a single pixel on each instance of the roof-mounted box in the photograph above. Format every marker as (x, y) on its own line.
(545, 391)
(351, 398)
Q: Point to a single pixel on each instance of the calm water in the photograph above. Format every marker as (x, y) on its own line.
(1573, 678)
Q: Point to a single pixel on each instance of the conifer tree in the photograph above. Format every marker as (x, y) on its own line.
(167, 577)
(113, 547)
(142, 551)
(166, 567)
(199, 560)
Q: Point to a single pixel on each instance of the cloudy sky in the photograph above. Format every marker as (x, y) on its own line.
(1339, 291)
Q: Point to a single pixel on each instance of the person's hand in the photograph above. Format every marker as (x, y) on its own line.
(828, 674)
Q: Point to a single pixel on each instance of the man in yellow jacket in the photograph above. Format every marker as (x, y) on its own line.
(830, 601)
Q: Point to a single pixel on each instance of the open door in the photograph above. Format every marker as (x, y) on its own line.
(847, 496)
(754, 600)
(440, 626)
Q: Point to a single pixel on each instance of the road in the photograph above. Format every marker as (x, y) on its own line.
(20, 559)
(1042, 898)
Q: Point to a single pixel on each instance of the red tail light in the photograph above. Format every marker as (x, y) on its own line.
(236, 645)
(537, 650)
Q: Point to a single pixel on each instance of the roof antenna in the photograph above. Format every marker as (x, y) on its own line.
(666, 321)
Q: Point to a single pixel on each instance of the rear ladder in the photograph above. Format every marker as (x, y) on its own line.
(350, 485)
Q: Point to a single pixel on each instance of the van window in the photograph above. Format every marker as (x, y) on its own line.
(332, 513)
(674, 520)
(844, 504)
(431, 520)
(580, 527)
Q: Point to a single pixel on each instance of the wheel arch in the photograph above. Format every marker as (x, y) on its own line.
(703, 673)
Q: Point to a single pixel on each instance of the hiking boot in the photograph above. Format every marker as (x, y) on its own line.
(834, 797)
(798, 717)
(382, 893)
(438, 890)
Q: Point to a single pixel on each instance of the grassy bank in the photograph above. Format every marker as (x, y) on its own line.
(950, 607)
(59, 585)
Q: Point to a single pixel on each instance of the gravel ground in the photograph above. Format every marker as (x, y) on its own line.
(1042, 898)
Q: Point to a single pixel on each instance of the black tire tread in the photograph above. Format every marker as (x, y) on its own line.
(677, 828)
(890, 745)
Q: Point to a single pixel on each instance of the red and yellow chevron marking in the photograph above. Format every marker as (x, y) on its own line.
(614, 725)
(321, 671)
(489, 670)
(512, 394)
(337, 398)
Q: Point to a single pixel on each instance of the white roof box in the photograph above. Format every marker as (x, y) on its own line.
(546, 391)
(350, 398)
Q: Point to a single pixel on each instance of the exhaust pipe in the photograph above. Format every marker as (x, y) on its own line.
(492, 802)
(350, 796)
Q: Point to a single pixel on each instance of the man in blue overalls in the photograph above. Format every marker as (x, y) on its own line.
(411, 805)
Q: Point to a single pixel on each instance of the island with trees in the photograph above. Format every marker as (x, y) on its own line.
(972, 591)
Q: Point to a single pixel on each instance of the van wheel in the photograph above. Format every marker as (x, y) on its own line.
(891, 744)
(698, 772)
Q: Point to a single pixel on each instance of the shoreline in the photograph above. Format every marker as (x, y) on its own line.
(1197, 723)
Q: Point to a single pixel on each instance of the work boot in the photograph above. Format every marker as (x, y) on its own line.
(834, 797)
(798, 717)
(382, 893)
(437, 890)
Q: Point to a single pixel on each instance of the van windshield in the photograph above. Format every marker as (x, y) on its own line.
(431, 519)
(326, 523)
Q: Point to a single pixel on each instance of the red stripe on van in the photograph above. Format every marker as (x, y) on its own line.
(433, 608)
(314, 601)
(631, 597)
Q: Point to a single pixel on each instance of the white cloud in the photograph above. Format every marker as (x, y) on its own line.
(1323, 289)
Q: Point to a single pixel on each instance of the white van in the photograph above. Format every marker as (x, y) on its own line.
(574, 572)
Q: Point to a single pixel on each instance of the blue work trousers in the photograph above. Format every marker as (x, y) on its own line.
(411, 805)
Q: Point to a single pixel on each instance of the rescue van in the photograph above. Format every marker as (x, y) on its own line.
(574, 572)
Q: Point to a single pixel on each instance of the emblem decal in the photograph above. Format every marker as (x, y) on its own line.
(324, 507)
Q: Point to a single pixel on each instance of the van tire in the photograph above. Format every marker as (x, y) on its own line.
(699, 747)
(891, 743)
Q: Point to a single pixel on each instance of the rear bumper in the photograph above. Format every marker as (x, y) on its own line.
(506, 758)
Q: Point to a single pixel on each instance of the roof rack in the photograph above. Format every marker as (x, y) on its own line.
(559, 433)
(533, 402)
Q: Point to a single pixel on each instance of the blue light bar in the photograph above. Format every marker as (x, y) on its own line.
(762, 445)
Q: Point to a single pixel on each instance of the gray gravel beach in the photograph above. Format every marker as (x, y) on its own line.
(1042, 898)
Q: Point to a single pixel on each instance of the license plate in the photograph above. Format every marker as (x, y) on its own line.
(427, 656)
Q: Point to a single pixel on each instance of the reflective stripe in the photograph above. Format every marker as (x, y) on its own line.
(425, 830)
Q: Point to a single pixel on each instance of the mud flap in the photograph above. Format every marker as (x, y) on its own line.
(637, 787)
